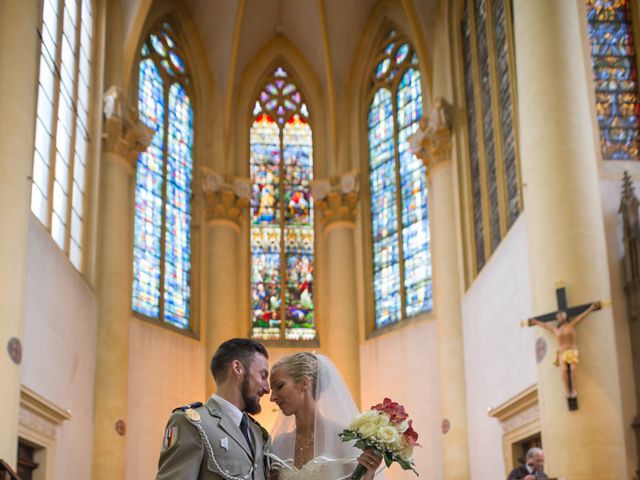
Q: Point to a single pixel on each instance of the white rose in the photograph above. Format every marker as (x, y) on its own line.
(366, 417)
(388, 435)
(402, 426)
(367, 429)
(383, 420)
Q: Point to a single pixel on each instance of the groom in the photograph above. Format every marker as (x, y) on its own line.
(218, 440)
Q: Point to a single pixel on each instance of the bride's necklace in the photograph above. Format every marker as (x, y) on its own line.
(303, 445)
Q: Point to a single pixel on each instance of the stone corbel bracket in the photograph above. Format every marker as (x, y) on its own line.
(432, 141)
(224, 200)
(124, 134)
(337, 197)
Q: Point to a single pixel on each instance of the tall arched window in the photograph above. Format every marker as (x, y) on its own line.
(615, 75)
(162, 246)
(398, 187)
(282, 238)
(495, 198)
(59, 160)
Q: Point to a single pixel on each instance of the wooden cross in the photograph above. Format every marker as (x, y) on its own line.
(562, 332)
(561, 300)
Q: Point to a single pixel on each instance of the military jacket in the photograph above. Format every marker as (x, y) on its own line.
(185, 454)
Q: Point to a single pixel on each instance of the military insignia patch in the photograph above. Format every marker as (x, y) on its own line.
(192, 414)
(224, 443)
(170, 437)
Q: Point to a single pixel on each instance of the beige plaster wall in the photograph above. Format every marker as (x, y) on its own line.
(59, 347)
(402, 365)
(499, 354)
(166, 370)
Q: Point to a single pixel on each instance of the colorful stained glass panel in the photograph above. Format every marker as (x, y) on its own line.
(615, 75)
(177, 288)
(162, 243)
(149, 186)
(282, 238)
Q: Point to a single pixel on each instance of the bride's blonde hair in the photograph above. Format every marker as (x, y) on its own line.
(300, 366)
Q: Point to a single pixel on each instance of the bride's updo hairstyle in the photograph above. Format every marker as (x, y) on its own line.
(300, 366)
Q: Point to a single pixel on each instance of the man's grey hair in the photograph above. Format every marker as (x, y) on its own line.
(533, 451)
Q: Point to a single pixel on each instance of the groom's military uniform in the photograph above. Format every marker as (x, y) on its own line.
(203, 442)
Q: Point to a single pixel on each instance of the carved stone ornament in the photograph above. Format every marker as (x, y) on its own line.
(432, 141)
(14, 349)
(446, 426)
(541, 349)
(337, 198)
(224, 200)
(121, 427)
(124, 134)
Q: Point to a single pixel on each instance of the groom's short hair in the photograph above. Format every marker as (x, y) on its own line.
(241, 349)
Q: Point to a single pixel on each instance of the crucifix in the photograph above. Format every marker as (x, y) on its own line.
(567, 354)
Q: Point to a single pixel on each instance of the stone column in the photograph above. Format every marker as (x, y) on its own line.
(18, 87)
(565, 236)
(224, 204)
(432, 144)
(123, 139)
(336, 204)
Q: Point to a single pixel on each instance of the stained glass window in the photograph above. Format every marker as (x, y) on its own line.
(615, 75)
(495, 196)
(162, 245)
(398, 187)
(62, 115)
(282, 240)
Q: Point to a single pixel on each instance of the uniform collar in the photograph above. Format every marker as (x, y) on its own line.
(229, 408)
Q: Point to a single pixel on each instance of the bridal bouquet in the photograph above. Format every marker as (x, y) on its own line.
(385, 428)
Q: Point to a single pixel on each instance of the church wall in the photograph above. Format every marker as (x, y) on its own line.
(610, 187)
(166, 370)
(402, 365)
(60, 340)
(499, 354)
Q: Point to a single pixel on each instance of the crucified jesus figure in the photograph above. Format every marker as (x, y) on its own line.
(567, 355)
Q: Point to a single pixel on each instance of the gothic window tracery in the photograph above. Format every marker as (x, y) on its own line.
(282, 236)
(163, 210)
(398, 189)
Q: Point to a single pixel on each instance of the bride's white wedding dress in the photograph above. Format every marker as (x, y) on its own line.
(311, 471)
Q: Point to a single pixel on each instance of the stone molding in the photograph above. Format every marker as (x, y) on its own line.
(124, 134)
(39, 414)
(337, 198)
(224, 200)
(432, 142)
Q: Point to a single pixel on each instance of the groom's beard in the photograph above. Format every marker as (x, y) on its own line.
(251, 404)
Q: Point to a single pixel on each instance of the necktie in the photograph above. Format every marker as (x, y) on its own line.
(244, 428)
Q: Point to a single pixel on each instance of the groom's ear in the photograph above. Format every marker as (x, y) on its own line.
(237, 368)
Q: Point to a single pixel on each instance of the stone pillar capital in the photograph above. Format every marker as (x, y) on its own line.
(432, 141)
(337, 197)
(224, 200)
(124, 134)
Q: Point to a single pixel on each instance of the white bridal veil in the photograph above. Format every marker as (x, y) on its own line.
(334, 411)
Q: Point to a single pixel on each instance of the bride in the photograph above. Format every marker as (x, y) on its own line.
(315, 405)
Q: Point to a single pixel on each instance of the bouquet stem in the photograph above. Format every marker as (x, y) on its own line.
(358, 473)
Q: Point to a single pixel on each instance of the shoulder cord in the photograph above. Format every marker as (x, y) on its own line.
(212, 457)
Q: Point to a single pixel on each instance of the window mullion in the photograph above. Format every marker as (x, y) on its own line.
(74, 125)
(477, 94)
(54, 121)
(165, 161)
(396, 155)
(283, 257)
(495, 114)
